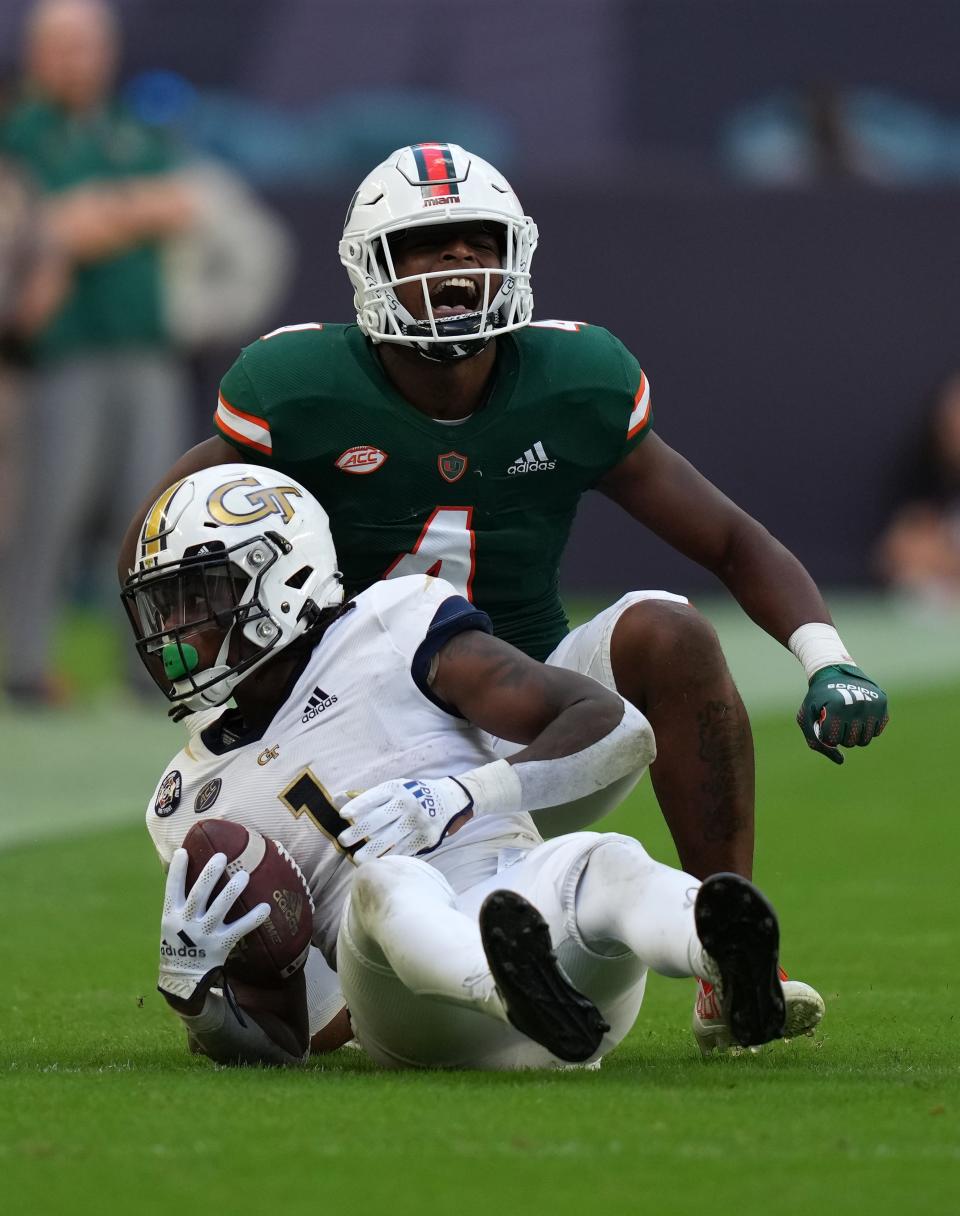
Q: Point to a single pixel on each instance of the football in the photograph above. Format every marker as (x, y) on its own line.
(271, 954)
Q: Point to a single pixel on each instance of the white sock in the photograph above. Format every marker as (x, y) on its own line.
(627, 899)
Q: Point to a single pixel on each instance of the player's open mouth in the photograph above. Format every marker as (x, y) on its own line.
(455, 295)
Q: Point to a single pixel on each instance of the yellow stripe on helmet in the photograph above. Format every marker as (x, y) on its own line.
(153, 532)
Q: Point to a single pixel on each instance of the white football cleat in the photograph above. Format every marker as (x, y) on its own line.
(805, 1008)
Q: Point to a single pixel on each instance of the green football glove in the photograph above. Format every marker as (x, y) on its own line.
(842, 708)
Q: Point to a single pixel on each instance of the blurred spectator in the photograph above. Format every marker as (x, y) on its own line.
(920, 551)
(33, 280)
(108, 409)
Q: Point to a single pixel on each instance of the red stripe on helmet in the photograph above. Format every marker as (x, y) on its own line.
(437, 162)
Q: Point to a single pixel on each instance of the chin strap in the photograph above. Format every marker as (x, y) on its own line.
(450, 352)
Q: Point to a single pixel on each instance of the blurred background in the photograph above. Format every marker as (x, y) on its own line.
(761, 199)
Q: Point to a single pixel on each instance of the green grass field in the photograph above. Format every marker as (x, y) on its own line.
(103, 1111)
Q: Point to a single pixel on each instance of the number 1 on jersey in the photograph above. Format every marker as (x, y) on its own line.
(307, 795)
(446, 548)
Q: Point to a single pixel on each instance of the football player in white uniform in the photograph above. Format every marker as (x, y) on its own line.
(460, 939)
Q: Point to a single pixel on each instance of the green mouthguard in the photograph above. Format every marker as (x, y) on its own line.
(179, 661)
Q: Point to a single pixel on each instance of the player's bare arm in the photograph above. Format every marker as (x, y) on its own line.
(498, 688)
(665, 493)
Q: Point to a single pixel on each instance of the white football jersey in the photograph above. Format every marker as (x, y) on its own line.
(360, 712)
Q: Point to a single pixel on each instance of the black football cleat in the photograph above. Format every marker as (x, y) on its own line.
(539, 999)
(738, 929)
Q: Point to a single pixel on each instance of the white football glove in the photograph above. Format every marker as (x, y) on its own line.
(194, 940)
(408, 817)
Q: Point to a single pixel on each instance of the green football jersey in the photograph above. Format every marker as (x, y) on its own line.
(486, 503)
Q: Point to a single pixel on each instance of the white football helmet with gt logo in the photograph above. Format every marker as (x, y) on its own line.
(426, 185)
(233, 564)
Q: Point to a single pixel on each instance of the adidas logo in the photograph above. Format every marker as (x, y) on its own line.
(290, 904)
(319, 701)
(189, 949)
(855, 692)
(534, 460)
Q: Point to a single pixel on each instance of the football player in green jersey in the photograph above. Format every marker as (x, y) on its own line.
(446, 432)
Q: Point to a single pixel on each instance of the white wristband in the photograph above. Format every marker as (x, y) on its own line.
(817, 645)
(495, 788)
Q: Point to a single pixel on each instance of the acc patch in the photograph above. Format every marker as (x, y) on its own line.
(452, 466)
(207, 795)
(168, 795)
(362, 459)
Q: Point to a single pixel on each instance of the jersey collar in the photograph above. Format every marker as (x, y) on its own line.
(505, 376)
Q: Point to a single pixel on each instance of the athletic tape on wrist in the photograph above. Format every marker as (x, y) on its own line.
(534, 785)
(817, 645)
(494, 788)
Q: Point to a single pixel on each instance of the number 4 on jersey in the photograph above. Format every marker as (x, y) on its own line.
(446, 548)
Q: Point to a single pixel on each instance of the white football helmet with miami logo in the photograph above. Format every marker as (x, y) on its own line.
(426, 185)
(233, 564)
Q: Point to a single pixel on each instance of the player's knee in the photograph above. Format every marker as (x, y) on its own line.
(657, 637)
(619, 859)
(373, 885)
(378, 883)
(665, 625)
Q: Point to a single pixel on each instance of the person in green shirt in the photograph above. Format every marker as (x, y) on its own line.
(104, 374)
(447, 433)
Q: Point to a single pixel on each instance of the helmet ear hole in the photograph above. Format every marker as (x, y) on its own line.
(297, 580)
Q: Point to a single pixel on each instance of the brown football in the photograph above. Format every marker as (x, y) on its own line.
(274, 952)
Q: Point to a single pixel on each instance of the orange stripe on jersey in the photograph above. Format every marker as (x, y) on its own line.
(247, 443)
(641, 408)
(260, 422)
(247, 429)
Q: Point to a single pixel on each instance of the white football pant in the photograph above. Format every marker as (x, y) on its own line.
(416, 980)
